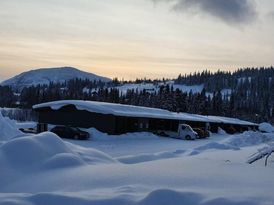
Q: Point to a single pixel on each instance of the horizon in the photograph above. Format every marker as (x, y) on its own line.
(129, 40)
(133, 79)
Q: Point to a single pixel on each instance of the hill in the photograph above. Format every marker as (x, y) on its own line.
(45, 76)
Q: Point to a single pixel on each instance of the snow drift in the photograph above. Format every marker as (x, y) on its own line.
(8, 128)
(266, 127)
(47, 150)
(248, 138)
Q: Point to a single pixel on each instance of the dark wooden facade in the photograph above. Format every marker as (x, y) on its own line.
(107, 123)
(70, 116)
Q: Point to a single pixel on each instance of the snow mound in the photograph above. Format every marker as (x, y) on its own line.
(46, 150)
(91, 156)
(235, 142)
(166, 196)
(99, 136)
(8, 128)
(266, 127)
(159, 197)
(221, 131)
(248, 138)
(63, 160)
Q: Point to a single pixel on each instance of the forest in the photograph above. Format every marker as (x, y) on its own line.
(251, 95)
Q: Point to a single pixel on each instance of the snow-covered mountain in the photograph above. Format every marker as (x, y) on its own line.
(44, 76)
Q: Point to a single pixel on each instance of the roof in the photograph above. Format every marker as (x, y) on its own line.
(137, 111)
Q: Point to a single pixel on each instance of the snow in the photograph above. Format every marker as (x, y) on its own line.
(25, 125)
(226, 91)
(249, 138)
(221, 131)
(109, 108)
(137, 111)
(47, 150)
(228, 120)
(266, 127)
(8, 128)
(189, 88)
(149, 87)
(152, 87)
(44, 76)
(133, 169)
(243, 79)
(263, 152)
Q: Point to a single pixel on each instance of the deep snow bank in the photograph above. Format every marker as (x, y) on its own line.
(47, 150)
(99, 136)
(236, 142)
(266, 127)
(8, 128)
(248, 138)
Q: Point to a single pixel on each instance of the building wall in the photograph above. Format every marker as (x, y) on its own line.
(77, 118)
(131, 124)
(163, 124)
(111, 124)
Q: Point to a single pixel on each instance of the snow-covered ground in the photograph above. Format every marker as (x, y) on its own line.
(133, 169)
(152, 87)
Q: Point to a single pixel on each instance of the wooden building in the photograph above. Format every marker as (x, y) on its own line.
(117, 119)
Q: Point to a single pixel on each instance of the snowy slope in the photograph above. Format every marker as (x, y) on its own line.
(150, 87)
(155, 87)
(46, 75)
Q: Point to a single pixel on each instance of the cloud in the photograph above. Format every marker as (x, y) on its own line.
(270, 15)
(229, 11)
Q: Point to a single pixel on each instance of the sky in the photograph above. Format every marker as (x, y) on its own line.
(135, 38)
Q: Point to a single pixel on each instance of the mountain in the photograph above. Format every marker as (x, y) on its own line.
(44, 76)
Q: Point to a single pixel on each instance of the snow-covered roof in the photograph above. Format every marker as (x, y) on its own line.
(110, 108)
(137, 111)
(228, 120)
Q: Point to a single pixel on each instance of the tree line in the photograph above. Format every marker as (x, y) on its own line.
(249, 94)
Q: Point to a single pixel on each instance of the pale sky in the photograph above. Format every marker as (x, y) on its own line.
(135, 38)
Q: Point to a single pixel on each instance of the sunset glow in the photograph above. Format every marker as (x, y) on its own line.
(129, 39)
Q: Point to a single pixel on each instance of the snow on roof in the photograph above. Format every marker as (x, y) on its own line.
(110, 108)
(137, 111)
(228, 120)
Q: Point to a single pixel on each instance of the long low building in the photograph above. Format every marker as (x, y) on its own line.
(114, 118)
